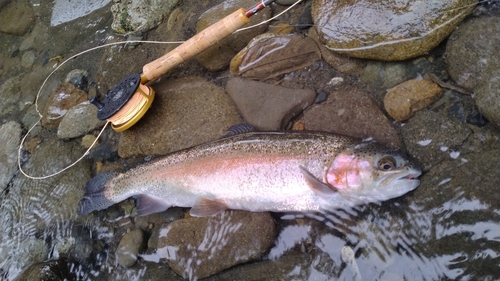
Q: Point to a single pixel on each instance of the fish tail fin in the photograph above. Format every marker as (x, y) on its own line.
(94, 198)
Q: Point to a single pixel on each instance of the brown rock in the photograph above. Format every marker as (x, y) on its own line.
(64, 97)
(402, 101)
(128, 249)
(185, 112)
(270, 55)
(218, 56)
(352, 112)
(17, 17)
(200, 247)
(267, 107)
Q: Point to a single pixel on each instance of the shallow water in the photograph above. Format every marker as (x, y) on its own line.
(447, 229)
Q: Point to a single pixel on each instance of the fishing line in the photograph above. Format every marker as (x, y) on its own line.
(137, 102)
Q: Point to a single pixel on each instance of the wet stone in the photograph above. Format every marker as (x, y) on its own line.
(9, 94)
(64, 97)
(352, 112)
(219, 55)
(388, 30)
(17, 17)
(28, 59)
(270, 55)
(268, 107)
(384, 75)
(128, 249)
(79, 120)
(10, 137)
(194, 247)
(476, 66)
(432, 137)
(402, 101)
(178, 118)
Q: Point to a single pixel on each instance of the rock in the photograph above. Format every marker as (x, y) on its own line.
(402, 101)
(268, 107)
(387, 30)
(128, 249)
(28, 59)
(88, 140)
(9, 94)
(138, 15)
(79, 120)
(218, 56)
(270, 55)
(64, 97)
(384, 75)
(78, 77)
(475, 66)
(352, 113)
(431, 137)
(200, 247)
(178, 118)
(17, 17)
(340, 62)
(30, 251)
(10, 137)
(53, 270)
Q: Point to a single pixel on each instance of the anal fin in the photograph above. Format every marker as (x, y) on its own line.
(147, 204)
(206, 207)
(320, 188)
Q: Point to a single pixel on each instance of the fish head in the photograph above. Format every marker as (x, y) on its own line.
(369, 172)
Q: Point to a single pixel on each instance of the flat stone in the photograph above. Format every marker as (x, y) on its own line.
(17, 17)
(219, 55)
(10, 93)
(200, 247)
(79, 120)
(185, 112)
(388, 30)
(128, 249)
(268, 107)
(64, 97)
(10, 137)
(402, 101)
(270, 55)
(352, 112)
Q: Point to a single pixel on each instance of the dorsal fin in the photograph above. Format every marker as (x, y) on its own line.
(320, 188)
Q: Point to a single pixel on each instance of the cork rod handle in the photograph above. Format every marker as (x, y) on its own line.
(194, 45)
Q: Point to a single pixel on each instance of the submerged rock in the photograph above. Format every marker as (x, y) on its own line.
(79, 120)
(219, 55)
(387, 30)
(17, 17)
(128, 249)
(268, 107)
(352, 113)
(64, 97)
(178, 118)
(200, 247)
(10, 137)
(10, 94)
(270, 55)
(402, 101)
(476, 66)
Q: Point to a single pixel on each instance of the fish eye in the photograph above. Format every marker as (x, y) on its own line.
(386, 163)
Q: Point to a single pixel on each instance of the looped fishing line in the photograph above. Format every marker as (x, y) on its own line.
(127, 110)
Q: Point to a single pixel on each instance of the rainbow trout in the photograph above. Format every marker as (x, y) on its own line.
(260, 171)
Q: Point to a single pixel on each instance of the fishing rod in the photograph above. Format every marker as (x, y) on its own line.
(128, 101)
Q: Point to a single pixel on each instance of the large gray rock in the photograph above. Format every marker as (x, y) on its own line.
(352, 113)
(79, 120)
(476, 66)
(268, 107)
(387, 30)
(185, 112)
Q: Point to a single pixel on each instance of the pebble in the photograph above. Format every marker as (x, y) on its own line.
(28, 59)
(385, 30)
(402, 101)
(10, 137)
(270, 55)
(219, 55)
(128, 249)
(267, 107)
(79, 120)
(352, 112)
(87, 140)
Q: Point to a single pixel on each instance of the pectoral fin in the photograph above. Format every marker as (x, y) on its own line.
(147, 204)
(206, 207)
(320, 188)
